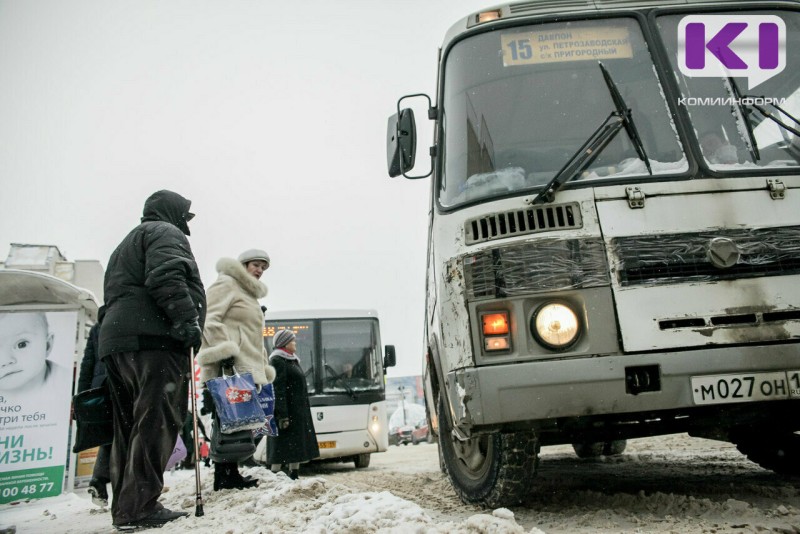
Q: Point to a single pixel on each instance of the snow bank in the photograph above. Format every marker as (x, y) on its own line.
(309, 505)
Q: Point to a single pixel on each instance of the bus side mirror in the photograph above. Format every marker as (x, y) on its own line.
(390, 360)
(401, 142)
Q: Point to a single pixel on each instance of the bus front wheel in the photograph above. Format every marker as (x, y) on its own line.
(778, 451)
(494, 469)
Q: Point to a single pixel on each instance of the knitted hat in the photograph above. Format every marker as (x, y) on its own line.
(252, 255)
(283, 338)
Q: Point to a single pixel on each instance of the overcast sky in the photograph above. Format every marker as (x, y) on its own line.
(269, 116)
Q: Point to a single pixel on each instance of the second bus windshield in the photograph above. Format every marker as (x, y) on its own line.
(337, 355)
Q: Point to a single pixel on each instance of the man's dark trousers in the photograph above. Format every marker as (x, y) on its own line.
(149, 393)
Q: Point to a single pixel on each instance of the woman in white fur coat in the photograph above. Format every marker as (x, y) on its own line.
(233, 334)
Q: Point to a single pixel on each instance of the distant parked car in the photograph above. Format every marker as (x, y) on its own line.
(408, 424)
(420, 433)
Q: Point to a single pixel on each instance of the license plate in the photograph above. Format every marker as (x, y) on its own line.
(746, 387)
(326, 444)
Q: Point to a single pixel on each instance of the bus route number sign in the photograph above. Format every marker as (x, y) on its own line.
(578, 44)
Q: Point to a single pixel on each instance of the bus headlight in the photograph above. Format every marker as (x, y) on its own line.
(555, 325)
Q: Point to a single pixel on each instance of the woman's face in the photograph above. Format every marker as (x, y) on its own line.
(256, 268)
(291, 347)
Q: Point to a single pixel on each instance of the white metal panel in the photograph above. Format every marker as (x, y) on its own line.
(698, 212)
(686, 187)
(352, 429)
(640, 308)
(340, 418)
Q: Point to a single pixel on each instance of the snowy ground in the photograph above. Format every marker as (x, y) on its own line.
(667, 484)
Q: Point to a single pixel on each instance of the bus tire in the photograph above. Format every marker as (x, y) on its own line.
(592, 449)
(493, 470)
(362, 460)
(615, 447)
(776, 451)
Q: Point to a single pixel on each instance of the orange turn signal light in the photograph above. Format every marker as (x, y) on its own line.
(488, 16)
(495, 324)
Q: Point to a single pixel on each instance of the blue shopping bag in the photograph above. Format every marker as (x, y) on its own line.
(266, 398)
(236, 402)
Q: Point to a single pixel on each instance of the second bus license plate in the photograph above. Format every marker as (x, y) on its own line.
(745, 387)
(326, 444)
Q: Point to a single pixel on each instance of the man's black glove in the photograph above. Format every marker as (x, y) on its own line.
(227, 363)
(283, 424)
(188, 332)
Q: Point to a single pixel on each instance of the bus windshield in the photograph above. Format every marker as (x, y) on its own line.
(518, 104)
(338, 356)
(721, 128)
(351, 357)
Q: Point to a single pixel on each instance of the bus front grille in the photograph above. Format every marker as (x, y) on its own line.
(521, 222)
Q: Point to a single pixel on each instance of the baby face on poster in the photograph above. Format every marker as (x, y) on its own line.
(25, 344)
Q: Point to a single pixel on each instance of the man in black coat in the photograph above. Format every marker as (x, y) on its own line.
(154, 313)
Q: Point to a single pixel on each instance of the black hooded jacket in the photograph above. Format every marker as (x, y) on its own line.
(152, 281)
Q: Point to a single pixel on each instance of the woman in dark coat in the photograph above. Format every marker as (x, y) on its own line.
(93, 375)
(296, 441)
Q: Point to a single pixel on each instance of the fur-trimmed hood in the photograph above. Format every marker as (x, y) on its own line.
(237, 271)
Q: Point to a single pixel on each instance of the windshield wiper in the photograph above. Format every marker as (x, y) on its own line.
(583, 157)
(624, 111)
(341, 380)
(742, 116)
(764, 111)
(779, 122)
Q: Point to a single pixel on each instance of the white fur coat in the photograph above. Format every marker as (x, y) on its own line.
(235, 324)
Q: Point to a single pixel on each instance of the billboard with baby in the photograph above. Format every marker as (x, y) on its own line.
(36, 372)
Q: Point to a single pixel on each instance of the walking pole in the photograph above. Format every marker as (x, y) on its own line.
(198, 509)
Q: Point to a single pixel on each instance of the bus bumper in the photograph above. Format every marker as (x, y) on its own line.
(542, 390)
(344, 444)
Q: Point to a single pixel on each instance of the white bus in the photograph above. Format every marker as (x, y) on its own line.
(614, 232)
(340, 351)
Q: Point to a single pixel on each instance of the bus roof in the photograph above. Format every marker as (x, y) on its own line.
(290, 315)
(564, 7)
